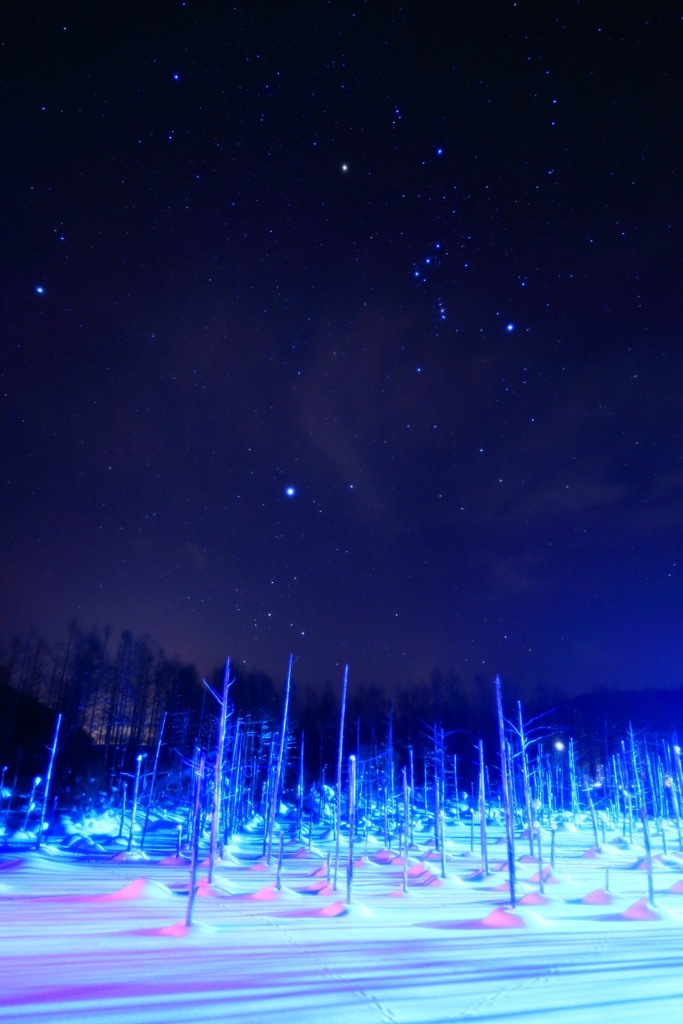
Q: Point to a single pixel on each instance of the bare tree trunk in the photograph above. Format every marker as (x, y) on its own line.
(236, 786)
(525, 778)
(541, 877)
(195, 840)
(508, 809)
(352, 825)
(573, 784)
(48, 777)
(648, 856)
(337, 822)
(280, 853)
(300, 794)
(482, 812)
(673, 789)
(136, 792)
(406, 828)
(275, 796)
(553, 834)
(437, 814)
(594, 819)
(218, 770)
(153, 780)
(411, 793)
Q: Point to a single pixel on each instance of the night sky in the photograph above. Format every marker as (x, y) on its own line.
(347, 329)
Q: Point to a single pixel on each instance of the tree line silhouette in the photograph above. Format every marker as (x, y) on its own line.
(114, 693)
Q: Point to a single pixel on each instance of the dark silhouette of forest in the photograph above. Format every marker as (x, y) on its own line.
(114, 693)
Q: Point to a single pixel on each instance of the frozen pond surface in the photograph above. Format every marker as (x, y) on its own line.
(84, 937)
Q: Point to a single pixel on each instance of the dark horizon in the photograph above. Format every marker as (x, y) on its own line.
(347, 333)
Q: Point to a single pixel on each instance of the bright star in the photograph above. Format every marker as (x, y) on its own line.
(509, 327)
(290, 491)
(40, 290)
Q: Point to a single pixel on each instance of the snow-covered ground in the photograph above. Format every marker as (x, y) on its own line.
(84, 937)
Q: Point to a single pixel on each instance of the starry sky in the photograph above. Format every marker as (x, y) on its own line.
(347, 329)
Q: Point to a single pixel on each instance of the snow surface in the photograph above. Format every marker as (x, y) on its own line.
(91, 933)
